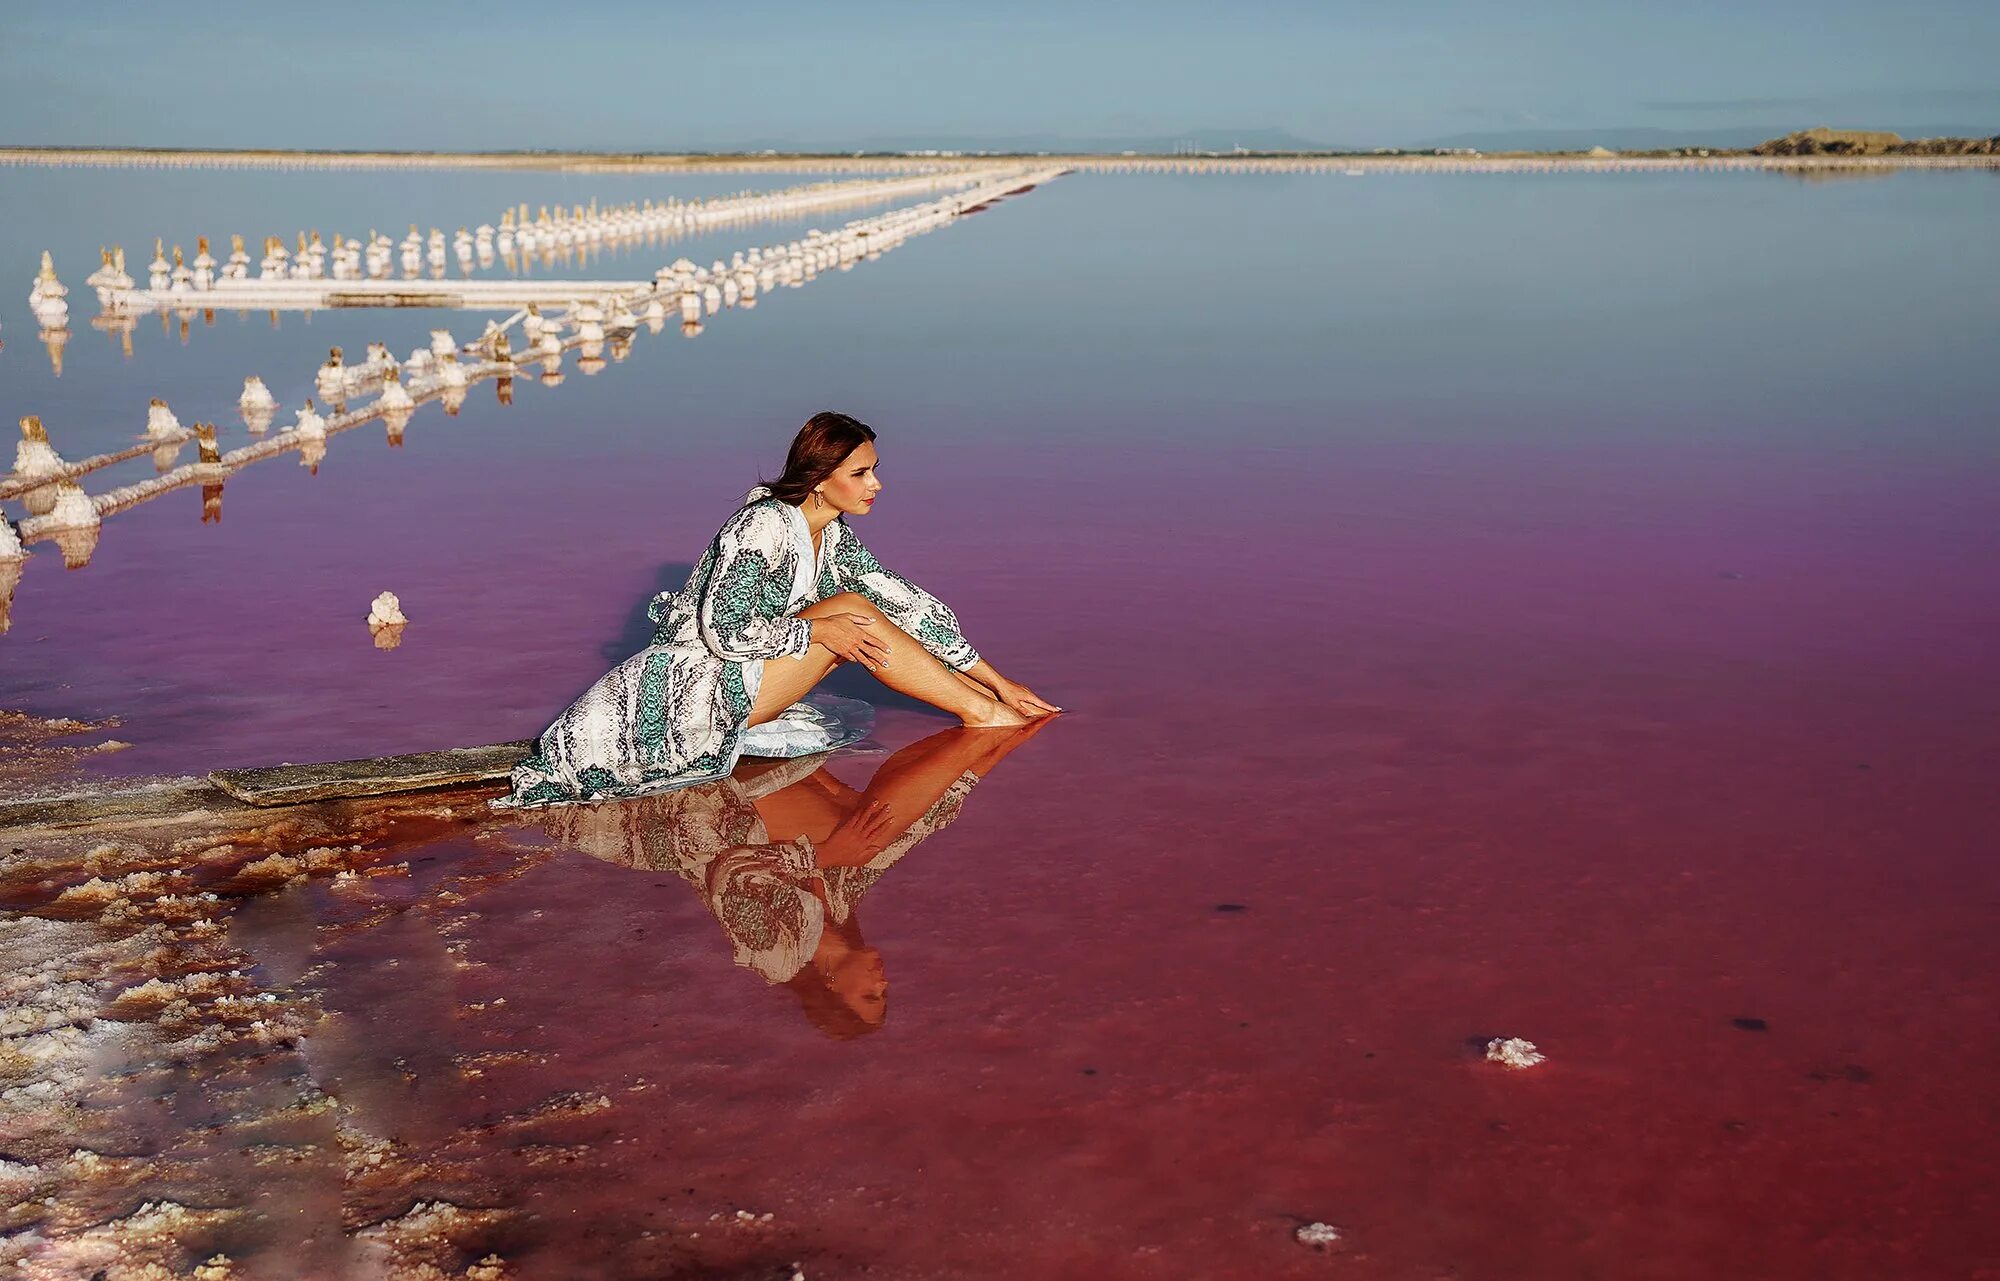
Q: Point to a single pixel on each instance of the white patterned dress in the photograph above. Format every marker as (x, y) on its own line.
(675, 713)
(771, 898)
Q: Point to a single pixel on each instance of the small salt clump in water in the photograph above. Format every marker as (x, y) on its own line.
(160, 421)
(1513, 1052)
(1317, 1234)
(386, 611)
(256, 397)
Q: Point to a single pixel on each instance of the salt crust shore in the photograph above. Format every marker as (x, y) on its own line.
(585, 162)
(121, 987)
(179, 1097)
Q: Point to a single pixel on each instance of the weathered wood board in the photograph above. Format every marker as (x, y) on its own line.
(134, 806)
(375, 776)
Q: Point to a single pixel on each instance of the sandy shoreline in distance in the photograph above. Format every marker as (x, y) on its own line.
(813, 162)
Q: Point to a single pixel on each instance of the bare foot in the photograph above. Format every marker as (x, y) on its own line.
(992, 714)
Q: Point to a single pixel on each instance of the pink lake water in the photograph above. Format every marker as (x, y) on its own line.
(1551, 607)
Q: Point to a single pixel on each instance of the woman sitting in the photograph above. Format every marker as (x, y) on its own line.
(784, 592)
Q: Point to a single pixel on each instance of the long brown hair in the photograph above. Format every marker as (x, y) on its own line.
(816, 451)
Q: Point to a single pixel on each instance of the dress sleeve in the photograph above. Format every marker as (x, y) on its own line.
(741, 606)
(907, 605)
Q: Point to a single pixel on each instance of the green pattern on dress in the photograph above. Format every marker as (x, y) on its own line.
(851, 567)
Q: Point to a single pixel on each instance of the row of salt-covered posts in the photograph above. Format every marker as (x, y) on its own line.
(351, 259)
(60, 509)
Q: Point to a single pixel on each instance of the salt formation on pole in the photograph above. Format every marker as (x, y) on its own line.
(34, 457)
(47, 297)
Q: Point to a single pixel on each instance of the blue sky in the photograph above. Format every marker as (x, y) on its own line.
(620, 74)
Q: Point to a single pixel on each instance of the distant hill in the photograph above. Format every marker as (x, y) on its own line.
(1861, 142)
(1735, 137)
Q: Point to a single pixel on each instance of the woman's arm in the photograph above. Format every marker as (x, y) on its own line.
(741, 604)
(905, 604)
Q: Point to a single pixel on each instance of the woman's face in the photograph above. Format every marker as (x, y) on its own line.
(852, 488)
(862, 985)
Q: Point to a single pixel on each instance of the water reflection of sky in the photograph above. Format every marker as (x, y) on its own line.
(1552, 606)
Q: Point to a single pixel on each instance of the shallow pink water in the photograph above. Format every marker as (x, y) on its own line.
(1480, 746)
(1477, 726)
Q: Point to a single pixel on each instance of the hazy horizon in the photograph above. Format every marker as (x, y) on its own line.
(776, 74)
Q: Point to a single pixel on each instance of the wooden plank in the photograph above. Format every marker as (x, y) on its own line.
(134, 806)
(375, 776)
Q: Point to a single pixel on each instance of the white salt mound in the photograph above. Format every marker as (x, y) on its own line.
(386, 611)
(1317, 1234)
(1513, 1052)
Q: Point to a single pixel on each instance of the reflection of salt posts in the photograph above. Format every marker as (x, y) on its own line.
(209, 471)
(55, 339)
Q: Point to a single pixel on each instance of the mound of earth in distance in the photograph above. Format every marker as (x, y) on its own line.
(1867, 142)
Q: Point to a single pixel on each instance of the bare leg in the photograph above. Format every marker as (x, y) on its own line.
(787, 680)
(906, 785)
(911, 669)
(911, 781)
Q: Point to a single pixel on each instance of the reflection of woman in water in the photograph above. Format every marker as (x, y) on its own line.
(782, 856)
(784, 592)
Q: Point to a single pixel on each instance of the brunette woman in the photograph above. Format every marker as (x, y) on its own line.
(784, 592)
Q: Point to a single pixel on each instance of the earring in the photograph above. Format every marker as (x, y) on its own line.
(818, 502)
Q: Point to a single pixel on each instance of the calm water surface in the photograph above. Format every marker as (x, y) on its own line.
(1559, 607)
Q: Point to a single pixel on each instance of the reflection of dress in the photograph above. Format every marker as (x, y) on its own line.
(675, 712)
(761, 892)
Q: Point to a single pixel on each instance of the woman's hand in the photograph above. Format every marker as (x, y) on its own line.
(1022, 699)
(852, 637)
(866, 831)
